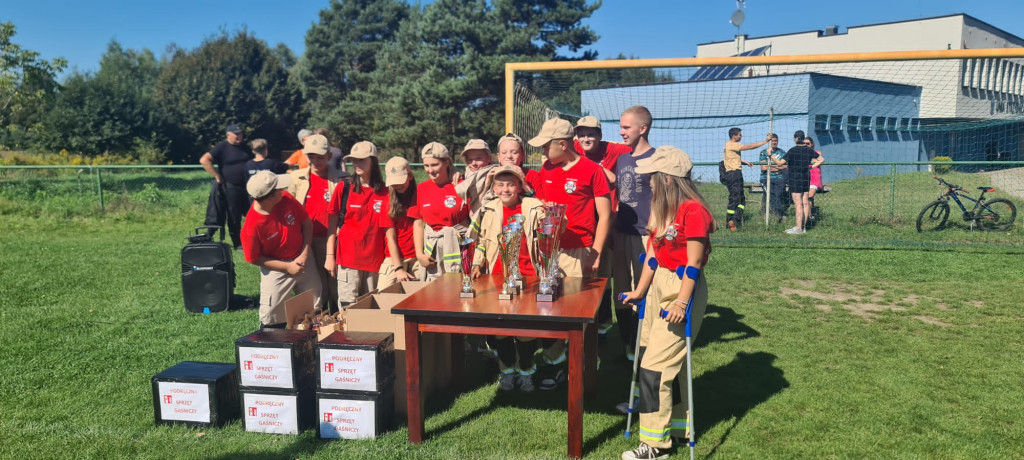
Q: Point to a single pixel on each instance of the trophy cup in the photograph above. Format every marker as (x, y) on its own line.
(547, 237)
(509, 241)
(466, 250)
(517, 273)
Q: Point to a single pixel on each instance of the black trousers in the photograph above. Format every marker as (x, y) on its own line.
(227, 204)
(733, 180)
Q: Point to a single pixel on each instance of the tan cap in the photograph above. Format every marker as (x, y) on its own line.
(508, 169)
(362, 149)
(476, 144)
(588, 121)
(396, 171)
(315, 144)
(666, 159)
(264, 182)
(509, 136)
(435, 150)
(555, 128)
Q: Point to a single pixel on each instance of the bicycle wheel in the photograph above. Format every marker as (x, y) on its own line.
(997, 214)
(933, 217)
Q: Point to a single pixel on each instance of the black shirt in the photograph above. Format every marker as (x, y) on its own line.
(799, 159)
(267, 164)
(230, 160)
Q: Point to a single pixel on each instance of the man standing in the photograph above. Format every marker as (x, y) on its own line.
(732, 177)
(228, 189)
(799, 160)
(775, 173)
(298, 159)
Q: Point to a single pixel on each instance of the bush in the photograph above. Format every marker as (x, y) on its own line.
(940, 168)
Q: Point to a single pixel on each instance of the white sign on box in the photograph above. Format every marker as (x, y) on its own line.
(187, 402)
(277, 414)
(348, 369)
(265, 367)
(347, 419)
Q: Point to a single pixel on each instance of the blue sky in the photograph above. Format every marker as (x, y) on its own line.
(80, 30)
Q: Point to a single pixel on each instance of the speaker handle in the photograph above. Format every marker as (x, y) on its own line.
(215, 228)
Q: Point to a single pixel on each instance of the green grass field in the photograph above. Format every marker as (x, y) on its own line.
(809, 350)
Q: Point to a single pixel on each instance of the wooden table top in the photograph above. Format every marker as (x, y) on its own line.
(578, 304)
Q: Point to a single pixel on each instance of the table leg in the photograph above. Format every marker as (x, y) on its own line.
(590, 355)
(576, 393)
(412, 380)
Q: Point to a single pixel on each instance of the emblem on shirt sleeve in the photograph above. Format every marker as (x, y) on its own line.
(449, 201)
(671, 233)
(570, 185)
(376, 206)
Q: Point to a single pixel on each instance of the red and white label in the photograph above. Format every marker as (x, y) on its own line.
(266, 367)
(186, 402)
(347, 419)
(348, 369)
(276, 414)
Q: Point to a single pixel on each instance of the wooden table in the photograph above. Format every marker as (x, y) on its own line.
(438, 308)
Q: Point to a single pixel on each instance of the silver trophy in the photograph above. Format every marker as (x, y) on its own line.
(546, 247)
(466, 246)
(509, 242)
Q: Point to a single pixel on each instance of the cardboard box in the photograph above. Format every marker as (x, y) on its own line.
(348, 415)
(278, 412)
(356, 361)
(296, 309)
(373, 314)
(277, 359)
(196, 393)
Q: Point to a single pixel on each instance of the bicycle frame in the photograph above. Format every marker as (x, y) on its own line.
(955, 192)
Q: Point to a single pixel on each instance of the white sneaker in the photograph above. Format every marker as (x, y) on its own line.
(623, 408)
(800, 231)
(791, 230)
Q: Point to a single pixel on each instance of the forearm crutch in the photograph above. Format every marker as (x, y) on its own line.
(692, 273)
(641, 306)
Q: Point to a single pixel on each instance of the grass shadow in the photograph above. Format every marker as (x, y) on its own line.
(721, 325)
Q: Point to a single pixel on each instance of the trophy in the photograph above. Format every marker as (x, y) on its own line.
(466, 250)
(547, 236)
(509, 242)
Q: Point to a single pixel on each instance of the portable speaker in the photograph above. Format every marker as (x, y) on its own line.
(207, 274)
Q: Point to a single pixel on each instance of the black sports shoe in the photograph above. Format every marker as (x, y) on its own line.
(553, 376)
(644, 452)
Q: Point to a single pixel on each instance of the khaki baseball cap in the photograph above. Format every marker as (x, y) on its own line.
(555, 128)
(264, 182)
(362, 149)
(666, 159)
(508, 169)
(435, 150)
(316, 144)
(476, 144)
(509, 136)
(396, 171)
(589, 121)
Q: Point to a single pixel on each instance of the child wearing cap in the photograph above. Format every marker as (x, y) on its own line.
(477, 155)
(441, 216)
(276, 238)
(512, 152)
(515, 354)
(313, 187)
(359, 242)
(580, 184)
(400, 251)
(679, 230)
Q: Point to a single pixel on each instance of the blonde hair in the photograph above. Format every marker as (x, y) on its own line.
(668, 193)
(259, 146)
(642, 115)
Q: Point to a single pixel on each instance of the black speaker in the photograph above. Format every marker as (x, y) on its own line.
(207, 274)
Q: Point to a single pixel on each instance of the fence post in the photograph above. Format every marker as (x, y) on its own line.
(892, 195)
(99, 186)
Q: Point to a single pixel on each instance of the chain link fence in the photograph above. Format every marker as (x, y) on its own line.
(865, 204)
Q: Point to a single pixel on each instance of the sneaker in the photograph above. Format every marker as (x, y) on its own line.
(644, 452)
(732, 225)
(525, 382)
(507, 382)
(799, 231)
(792, 230)
(623, 408)
(553, 377)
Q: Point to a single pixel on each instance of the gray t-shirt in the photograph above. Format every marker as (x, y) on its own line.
(634, 195)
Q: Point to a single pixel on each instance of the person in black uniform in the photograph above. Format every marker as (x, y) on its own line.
(228, 196)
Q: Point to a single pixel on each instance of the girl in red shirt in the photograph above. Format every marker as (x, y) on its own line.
(441, 216)
(359, 242)
(512, 152)
(679, 229)
(400, 252)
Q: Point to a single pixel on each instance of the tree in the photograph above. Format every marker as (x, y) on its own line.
(228, 79)
(26, 84)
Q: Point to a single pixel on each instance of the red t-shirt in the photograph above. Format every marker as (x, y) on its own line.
(318, 204)
(525, 264)
(533, 178)
(575, 188)
(607, 155)
(403, 231)
(439, 207)
(692, 221)
(277, 235)
(361, 238)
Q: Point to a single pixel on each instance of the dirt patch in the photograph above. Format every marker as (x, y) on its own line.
(863, 301)
(930, 320)
(976, 304)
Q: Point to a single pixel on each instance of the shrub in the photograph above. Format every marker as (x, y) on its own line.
(941, 168)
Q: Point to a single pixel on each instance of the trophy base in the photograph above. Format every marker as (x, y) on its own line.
(504, 296)
(467, 295)
(547, 297)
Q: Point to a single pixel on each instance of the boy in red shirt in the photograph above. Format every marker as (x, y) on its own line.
(276, 237)
(580, 184)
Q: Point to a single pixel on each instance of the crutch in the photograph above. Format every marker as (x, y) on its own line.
(692, 273)
(641, 306)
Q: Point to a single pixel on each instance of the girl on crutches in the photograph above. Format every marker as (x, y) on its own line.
(679, 229)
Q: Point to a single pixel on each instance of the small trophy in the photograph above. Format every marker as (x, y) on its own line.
(547, 238)
(509, 242)
(466, 250)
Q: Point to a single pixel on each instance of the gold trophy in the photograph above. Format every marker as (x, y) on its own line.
(509, 242)
(466, 250)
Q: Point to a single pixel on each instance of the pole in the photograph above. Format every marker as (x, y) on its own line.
(99, 185)
(892, 194)
(768, 173)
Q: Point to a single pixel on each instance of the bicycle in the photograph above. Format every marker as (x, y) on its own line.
(996, 214)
